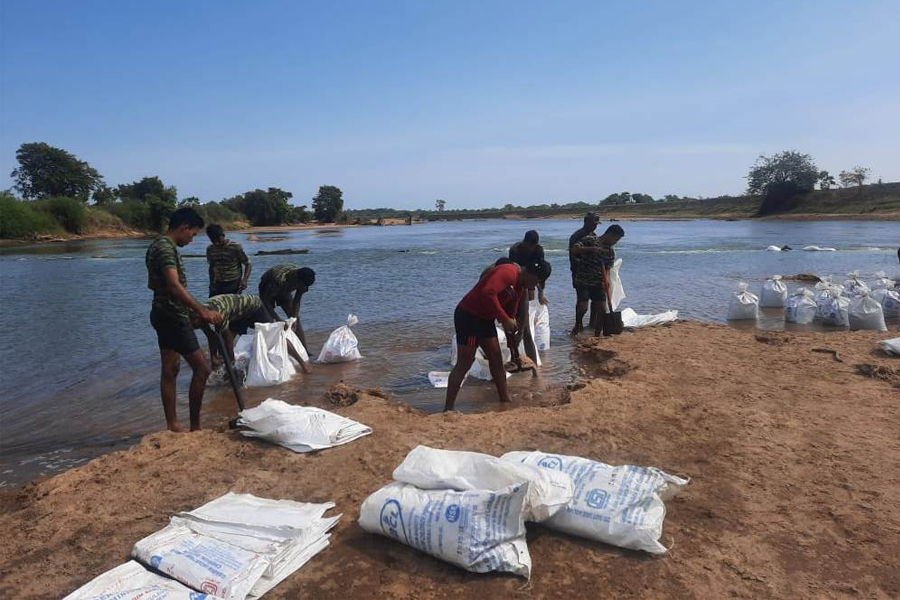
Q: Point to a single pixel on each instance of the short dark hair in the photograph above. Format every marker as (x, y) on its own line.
(215, 232)
(541, 268)
(532, 237)
(591, 218)
(306, 275)
(615, 230)
(185, 216)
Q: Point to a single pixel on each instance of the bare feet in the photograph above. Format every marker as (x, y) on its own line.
(197, 428)
(577, 329)
(176, 427)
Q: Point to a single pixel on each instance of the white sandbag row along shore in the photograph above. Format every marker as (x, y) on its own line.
(235, 547)
(299, 428)
(443, 499)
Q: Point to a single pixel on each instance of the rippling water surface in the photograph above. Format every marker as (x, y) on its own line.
(80, 364)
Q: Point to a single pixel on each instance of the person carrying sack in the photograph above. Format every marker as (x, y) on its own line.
(610, 321)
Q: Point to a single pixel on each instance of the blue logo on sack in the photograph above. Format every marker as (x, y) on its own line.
(392, 520)
(551, 462)
(198, 596)
(155, 560)
(452, 513)
(597, 498)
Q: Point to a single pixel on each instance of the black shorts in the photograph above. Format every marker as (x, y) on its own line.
(471, 329)
(225, 287)
(174, 334)
(594, 293)
(241, 327)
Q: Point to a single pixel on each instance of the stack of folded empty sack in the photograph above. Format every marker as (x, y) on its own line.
(235, 547)
(470, 509)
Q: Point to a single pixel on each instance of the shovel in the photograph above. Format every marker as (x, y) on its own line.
(229, 368)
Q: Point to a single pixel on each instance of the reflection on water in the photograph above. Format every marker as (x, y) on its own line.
(80, 363)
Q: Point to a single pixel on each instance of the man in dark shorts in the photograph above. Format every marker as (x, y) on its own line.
(170, 315)
(239, 313)
(226, 261)
(590, 226)
(495, 297)
(528, 251)
(284, 286)
(594, 256)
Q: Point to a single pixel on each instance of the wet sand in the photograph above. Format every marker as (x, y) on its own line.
(794, 458)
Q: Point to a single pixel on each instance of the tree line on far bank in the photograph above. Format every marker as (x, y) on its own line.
(58, 192)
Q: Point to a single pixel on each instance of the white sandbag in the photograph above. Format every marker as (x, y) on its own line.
(268, 362)
(632, 320)
(616, 291)
(540, 325)
(891, 346)
(800, 307)
(292, 339)
(237, 546)
(342, 345)
(773, 249)
(131, 581)
(866, 313)
(853, 285)
(435, 469)
(834, 310)
(882, 281)
(744, 305)
(299, 428)
(478, 530)
(481, 368)
(890, 303)
(774, 293)
(818, 249)
(622, 506)
(439, 379)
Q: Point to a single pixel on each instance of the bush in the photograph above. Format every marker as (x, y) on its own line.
(70, 213)
(213, 212)
(134, 213)
(19, 220)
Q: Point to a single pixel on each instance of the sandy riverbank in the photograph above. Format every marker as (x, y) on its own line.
(794, 460)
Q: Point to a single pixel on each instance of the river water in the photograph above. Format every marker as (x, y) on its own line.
(79, 359)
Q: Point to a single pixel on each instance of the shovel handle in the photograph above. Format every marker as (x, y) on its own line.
(229, 368)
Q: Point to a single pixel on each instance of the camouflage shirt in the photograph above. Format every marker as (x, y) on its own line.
(274, 282)
(234, 307)
(225, 262)
(588, 266)
(161, 255)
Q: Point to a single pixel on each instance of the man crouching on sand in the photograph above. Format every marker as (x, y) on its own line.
(170, 315)
(495, 297)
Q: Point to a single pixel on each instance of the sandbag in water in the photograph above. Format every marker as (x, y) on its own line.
(433, 468)
(622, 506)
(478, 530)
(866, 313)
(744, 305)
(800, 307)
(342, 345)
(774, 293)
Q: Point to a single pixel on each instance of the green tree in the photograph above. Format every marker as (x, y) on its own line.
(780, 179)
(440, 205)
(642, 198)
(192, 201)
(299, 214)
(152, 193)
(104, 195)
(826, 180)
(328, 203)
(45, 171)
(264, 207)
(855, 176)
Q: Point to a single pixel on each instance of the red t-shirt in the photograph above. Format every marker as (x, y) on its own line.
(496, 296)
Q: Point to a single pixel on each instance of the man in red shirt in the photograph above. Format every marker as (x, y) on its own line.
(495, 297)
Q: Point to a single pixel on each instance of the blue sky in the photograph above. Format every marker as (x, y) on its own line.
(478, 103)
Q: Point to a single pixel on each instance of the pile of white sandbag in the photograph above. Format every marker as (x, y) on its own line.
(299, 428)
(235, 547)
(469, 508)
(342, 345)
(262, 353)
